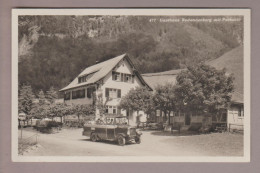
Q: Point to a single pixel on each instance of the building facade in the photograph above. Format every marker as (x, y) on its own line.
(106, 83)
(232, 117)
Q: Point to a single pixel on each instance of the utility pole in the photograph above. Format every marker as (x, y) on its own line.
(22, 131)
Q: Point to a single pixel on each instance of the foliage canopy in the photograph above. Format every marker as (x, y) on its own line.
(203, 88)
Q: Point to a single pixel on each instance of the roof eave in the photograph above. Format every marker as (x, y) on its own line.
(137, 73)
(62, 90)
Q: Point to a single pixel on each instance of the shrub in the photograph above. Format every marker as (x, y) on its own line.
(51, 124)
(195, 126)
(46, 126)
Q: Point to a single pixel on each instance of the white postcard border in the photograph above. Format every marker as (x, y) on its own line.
(155, 12)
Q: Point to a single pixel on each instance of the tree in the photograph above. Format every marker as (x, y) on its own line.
(83, 110)
(59, 110)
(203, 88)
(51, 95)
(99, 103)
(138, 99)
(42, 99)
(25, 99)
(40, 111)
(164, 99)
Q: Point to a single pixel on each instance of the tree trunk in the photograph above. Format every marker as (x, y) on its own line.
(169, 118)
(138, 118)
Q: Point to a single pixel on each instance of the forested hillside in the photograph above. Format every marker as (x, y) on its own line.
(55, 49)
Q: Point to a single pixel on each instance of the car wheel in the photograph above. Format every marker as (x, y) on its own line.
(121, 140)
(93, 137)
(138, 140)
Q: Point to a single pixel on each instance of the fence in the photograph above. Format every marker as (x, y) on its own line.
(235, 127)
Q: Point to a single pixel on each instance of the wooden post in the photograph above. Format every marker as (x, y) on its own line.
(229, 127)
(184, 115)
(21, 131)
(191, 117)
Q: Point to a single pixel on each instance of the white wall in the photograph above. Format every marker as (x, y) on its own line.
(123, 67)
(233, 118)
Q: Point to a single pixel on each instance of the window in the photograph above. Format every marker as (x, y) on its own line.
(74, 94)
(112, 110)
(82, 93)
(78, 94)
(113, 93)
(123, 77)
(241, 112)
(116, 76)
(67, 96)
(128, 78)
(119, 93)
(89, 92)
(86, 77)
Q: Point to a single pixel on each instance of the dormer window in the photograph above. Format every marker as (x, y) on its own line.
(85, 78)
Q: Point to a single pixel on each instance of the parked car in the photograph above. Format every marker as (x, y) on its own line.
(112, 129)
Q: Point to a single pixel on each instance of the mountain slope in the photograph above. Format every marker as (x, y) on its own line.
(55, 49)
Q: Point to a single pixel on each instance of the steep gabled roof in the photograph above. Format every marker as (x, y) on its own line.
(99, 71)
(232, 61)
(155, 79)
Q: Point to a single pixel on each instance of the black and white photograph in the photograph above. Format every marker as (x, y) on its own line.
(131, 85)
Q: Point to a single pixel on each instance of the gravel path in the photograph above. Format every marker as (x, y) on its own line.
(70, 142)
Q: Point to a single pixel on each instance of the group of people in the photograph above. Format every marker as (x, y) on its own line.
(104, 120)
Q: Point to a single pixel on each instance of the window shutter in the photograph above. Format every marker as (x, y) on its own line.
(107, 92)
(122, 77)
(118, 111)
(119, 93)
(113, 76)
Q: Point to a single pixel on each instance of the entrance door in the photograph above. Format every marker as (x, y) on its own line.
(187, 119)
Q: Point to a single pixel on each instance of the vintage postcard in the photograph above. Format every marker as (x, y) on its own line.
(131, 85)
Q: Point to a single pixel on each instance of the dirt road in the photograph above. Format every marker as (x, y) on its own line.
(70, 142)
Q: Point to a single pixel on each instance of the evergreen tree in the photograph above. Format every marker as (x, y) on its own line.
(42, 99)
(25, 99)
(51, 95)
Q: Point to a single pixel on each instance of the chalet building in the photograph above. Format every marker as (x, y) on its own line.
(176, 118)
(233, 117)
(232, 61)
(106, 82)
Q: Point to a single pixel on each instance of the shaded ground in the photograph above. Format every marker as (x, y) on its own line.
(70, 142)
